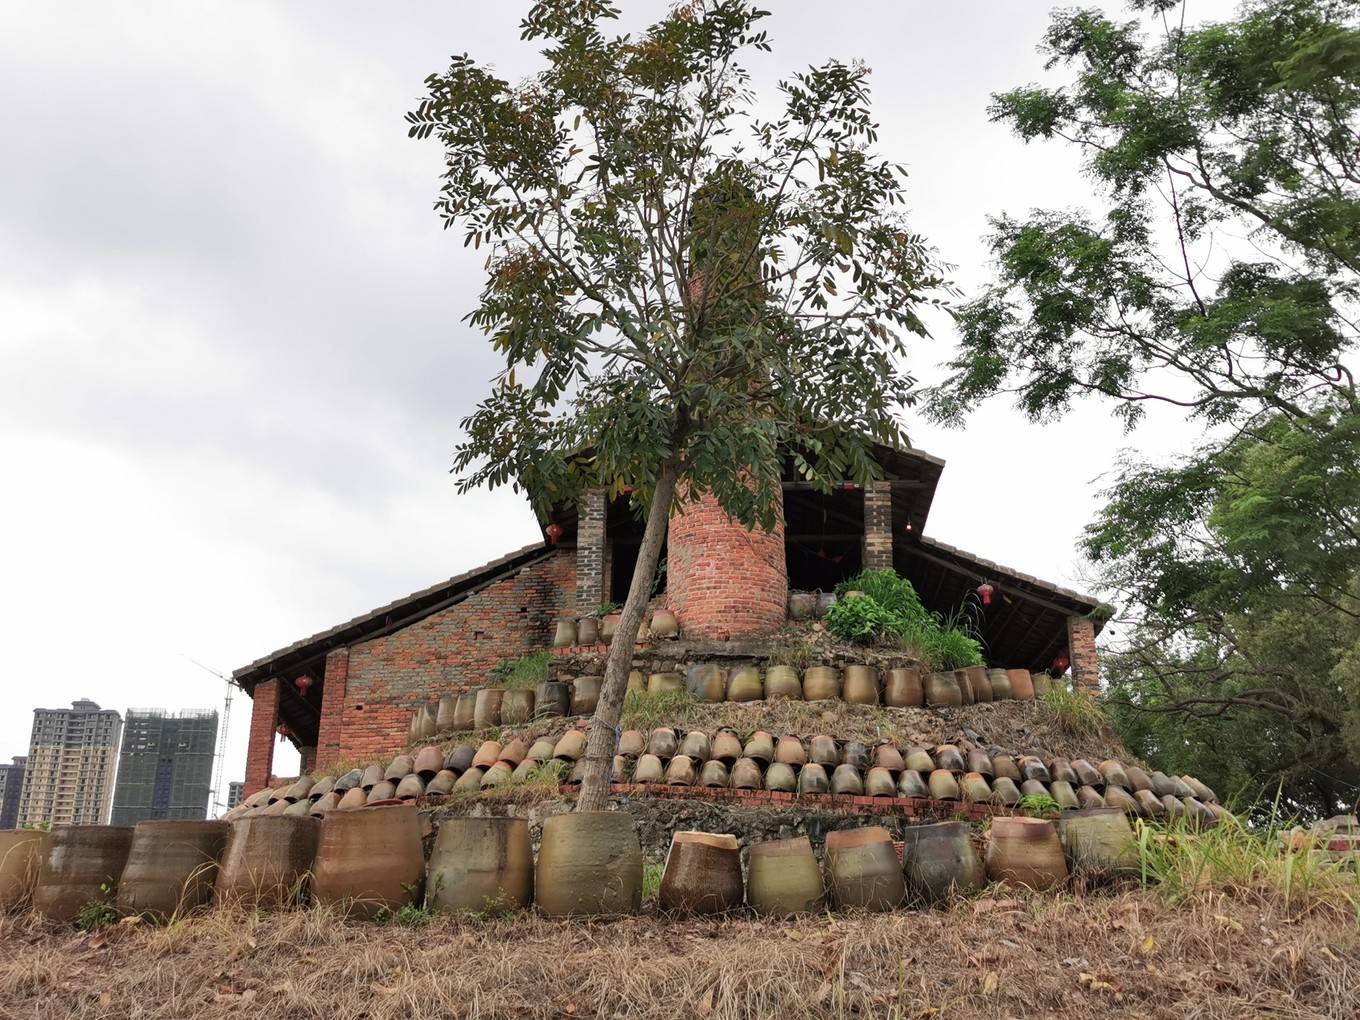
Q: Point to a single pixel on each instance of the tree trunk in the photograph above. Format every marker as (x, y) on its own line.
(604, 725)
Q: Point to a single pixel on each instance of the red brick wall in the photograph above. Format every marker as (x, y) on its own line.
(1081, 649)
(333, 705)
(725, 581)
(264, 713)
(448, 652)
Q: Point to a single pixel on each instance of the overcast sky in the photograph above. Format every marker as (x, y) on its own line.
(233, 362)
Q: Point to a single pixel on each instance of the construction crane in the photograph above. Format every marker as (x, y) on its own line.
(219, 802)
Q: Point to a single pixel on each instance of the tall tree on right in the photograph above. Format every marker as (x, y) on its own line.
(1219, 280)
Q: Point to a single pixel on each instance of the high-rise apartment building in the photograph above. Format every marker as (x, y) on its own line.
(68, 779)
(235, 792)
(165, 770)
(11, 786)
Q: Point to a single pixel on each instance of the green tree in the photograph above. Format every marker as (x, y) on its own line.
(1218, 279)
(686, 297)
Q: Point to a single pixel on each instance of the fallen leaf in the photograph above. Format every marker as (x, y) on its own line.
(990, 983)
(1147, 947)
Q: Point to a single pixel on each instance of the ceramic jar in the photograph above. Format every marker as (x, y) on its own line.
(745, 685)
(588, 631)
(480, 864)
(370, 862)
(979, 684)
(267, 861)
(784, 879)
(487, 712)
(702, 874)
(939, 862)
(82, 865)
(821, 683)
(1022, 685)
(517, 706)
(663, 743)
(664, 623)
(706, 682)
(941, 690)
(171, 867)
(783, 682)
(812, 779)
(1099, 840)
(465, 712)
(902, 688)
(589, 863)
(860, 686)
(664, 683)
(552, 699)
(22, 852)
(585, 694)
(443, 718)
(1001, 685)
(726, 747)
(565, 634)
(1025, 851)
(862, 870)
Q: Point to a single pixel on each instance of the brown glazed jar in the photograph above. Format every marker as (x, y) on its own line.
(980, 684)
(696, 745)
(552, 699)
(479, 864)
(965, 688)
(726, 747)
(862, 870)
(784, 879)
(745, 685)
(1022, 685)
(939, 862)
(517, 706)
(664, 683)
(942, 691)
(465, 711)
(860, 686)
(487, 709)
(902, 688)
(370, 861)
(267, 861)
(702, 874)
(82, 865)
(706, 682)
(585, 694)
(783, 682)
(171, 867)
(821, 683)
(1001, 684)
(1025, 851)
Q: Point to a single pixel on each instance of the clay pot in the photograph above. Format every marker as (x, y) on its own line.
(171, 866)
(696, 745)
(939, 862)
(487, 709)
(320, 788)
(812, 779)
(950, 758)
(975, 789)
(460, 758)
(862, 870)
(499, 774)
(702, 874)
(745, 685)
(855, 754)
(570, 746)
(480, 864)
(902, 688)
(385, 790)
(1033, 788)
(470, 781)
(1060, 771)
(1043, 683)
(609, 626)
(1099, 840)
(888, 757)
(327, 803)
(664, 623)
(425, 723)
(846, 779)
(780, 777)
(638, 682)
(965, 688)
(1088, 797)
(977, 761)
(802, 605)
(706, 682)
(713, 774)
(523, 771)
(585, 694)
(783, 682)
(299, 790)
(663, 743)
(589, 863)
(784, 879)
(267, 861)
(514, 752)
(1005, 791)
(821, 683)
(409, 788)
(790, 751)
(1087, 774)
(943, 785)
(1138, 779)
(1032, 768)
(412, 729)
(760, 746)
(631, 743)
(942, 691)
(443, 780)
(373, 775)
(399, 768)
(82, 865)
(618, 769)
(1119, 798)
(1175, 810)
(861, 685)
(649, 770)
(1181, 788)
(824, 751)
(680, 771)
(22, 852)
(1061, 791)
(879, 783)
(1022, 685)
(726, 747)
(1161, 784)
(517, 706)
(355, 798)
(487, 754)
(443, 716)
(428, 762)
(551, 700)
(588, 631)
(565, 635)
(370, 862)
(1149, 804)
(979, 683)
(665, 683)
(1201, 792)
(278, 807)
(746, 775)
(918, 759)
(465, 712)
(1112, 773)
(1025, 851)
(1001, 684)
(910, 784)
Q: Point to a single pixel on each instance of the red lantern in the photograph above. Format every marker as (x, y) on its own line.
(303, 683)
(284, 731)
(984, 591)
(1060, 663)
(554, 531)
(849, 487)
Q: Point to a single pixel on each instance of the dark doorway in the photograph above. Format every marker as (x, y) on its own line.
(823, 537)
(623, 533)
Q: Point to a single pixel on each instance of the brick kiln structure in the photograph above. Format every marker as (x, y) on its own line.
(348, 692)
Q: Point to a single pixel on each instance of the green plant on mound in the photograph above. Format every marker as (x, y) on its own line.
(1041, 805)
(643, 710)
(651, 881)
(887, 610)
(98, 913)
(526, 671)
(1077, 713)
(409, 916)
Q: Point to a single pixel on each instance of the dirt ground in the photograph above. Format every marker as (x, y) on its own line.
(1001, 956)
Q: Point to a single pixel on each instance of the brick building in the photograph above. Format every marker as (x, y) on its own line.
(348, 692)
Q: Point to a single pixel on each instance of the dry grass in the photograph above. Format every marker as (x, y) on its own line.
(1000, 956)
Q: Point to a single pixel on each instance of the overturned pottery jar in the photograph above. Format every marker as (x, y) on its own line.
(943, 785)
(713, 774)
(499, 774)
(824, 750)
(812, 779)
(783, 682)
(746, 775)
(663, 743)
(702, 874)
(790, 751)
(1025, 851)
(950, 758)
(784, 879)
(726, 747)
(902, 688)
(745, 684)
(696, 745)
(570, 746)
(855, 754)
(585, 694)
(649, 770)
(975, 789)
(780, 777)
(939, 862)
(267, 861)
(589, 863)
(1005, 791)
(552, 699)
(860, 686)
(487, 709)
(631, 744)
(680, 771)
(879, 783)
(370, 862)
(461, 757)
(428, 762)
(1099, 841)
(479, 865)
(846, 779)
(760, 746)
(22, 852)
(862, 870)
(821, 683)
(487, 754)
(911, 784)
(82, 865)
(171, 867)
(443, 716)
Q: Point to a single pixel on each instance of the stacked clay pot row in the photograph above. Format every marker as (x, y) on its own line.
(599, 630)
(483, 707)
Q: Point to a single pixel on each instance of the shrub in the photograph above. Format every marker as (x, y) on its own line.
(860, 620)
(98, 913)
(528, 671)
(1076, 712)
(889, 610)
